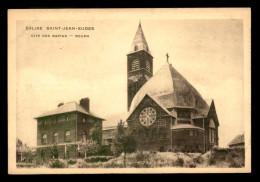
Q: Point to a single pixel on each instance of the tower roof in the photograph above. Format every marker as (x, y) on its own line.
(172, 90)
(139, 42)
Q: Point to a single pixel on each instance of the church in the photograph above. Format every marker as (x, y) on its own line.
(165, 112)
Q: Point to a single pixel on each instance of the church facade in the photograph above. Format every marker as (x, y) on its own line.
(166, 113)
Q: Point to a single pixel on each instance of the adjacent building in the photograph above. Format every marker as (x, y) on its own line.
(237, 142)
(67, 127)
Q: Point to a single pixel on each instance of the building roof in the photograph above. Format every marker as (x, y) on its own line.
(185, 126)
(69, 107)
(172, 113)
(112, 120)
(139, 41)
(237, 140)
(171, 89)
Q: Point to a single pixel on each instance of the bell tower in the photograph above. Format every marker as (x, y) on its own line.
(139, 65)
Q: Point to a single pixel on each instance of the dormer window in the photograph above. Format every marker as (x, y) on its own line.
(136, 47)
(135, 65)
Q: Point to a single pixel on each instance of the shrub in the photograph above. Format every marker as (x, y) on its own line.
(71, 162)
(104, 151)
(236, 158)
(56, 163)
(198, 160)
(236, 163)
(178, 162)
(141, 156)
(98, 159)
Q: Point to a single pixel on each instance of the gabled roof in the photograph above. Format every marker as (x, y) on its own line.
(172, 113)
(237, 140)
(68, 107)
(139, 41)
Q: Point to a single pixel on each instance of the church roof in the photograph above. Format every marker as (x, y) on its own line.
(68, 107)
(139, 42)
(171, 89)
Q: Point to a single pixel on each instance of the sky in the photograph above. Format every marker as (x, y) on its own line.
(208, 53)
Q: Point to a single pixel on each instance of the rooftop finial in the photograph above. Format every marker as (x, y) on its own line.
(139, 23)
(167, 56)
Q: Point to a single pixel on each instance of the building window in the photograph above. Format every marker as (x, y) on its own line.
(44, 138)
(148, 67)
(67, 118)
(135, 64)
(84, 120)
(184, 114)
(67, 136)
(191, 133)
(212, 128)
(195, 133)
(84, 137)
(211, 135)
(45, 122)
(136, 47)
(55, 137)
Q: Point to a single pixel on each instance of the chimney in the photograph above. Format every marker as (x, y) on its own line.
(60, 104)
(84, 102)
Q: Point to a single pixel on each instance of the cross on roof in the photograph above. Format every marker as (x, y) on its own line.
(167, 58)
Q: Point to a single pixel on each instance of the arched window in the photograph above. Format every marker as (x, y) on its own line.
(136, 64)
(56, 137)
(148, 67)
(84, 136)
(44, 138)
(136, 47)
(67, 136)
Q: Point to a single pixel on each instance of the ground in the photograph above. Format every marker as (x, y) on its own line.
(217, 158)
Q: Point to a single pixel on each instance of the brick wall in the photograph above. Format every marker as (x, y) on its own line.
(56, 124)
(188, 140)
(132, 84)
(72, 122)
(156, 136)
(87, 126)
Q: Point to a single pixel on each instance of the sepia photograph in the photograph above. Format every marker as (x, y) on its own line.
(129, 91)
